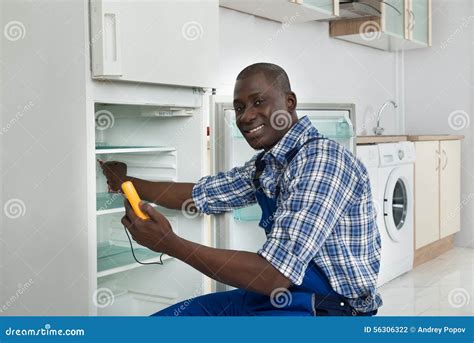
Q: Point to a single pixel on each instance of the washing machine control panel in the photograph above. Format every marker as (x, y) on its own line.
(396, 153)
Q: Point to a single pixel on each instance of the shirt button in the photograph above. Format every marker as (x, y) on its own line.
(342, 304)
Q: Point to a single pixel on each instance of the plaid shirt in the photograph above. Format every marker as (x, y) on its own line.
(324, 212)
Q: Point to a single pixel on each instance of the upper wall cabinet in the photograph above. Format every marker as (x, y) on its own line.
(293, 11)
(155, 41)
(402, 25)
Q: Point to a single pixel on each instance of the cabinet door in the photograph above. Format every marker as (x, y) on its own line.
(419, 21)
(155, 41)
(393, 17)
(426, 193)
(450, 187)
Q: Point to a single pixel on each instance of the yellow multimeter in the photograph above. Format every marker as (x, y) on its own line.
(132, 197)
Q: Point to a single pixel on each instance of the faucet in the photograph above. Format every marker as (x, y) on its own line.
(378, 130)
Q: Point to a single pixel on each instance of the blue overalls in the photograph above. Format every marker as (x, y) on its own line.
(314, 296)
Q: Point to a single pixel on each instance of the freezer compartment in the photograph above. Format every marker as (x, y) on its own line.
(146, 290)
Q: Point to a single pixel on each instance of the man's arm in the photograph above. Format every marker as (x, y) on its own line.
(236, 268)
(240, 269)
(167, 194)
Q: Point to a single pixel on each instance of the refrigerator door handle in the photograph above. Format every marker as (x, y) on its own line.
(105, 38)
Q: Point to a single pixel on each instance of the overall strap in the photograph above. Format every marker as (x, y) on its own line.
(260, 166)
(292, 153)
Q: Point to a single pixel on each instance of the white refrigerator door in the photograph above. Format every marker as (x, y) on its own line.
(238, 229)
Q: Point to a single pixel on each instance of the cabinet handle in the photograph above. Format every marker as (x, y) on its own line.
(439, 160)
(445, 159)
(411, 21)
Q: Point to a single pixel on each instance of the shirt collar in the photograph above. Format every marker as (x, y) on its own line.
(299, 133)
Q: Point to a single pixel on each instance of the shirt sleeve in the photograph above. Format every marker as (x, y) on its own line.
(321, 186)
(226, 190)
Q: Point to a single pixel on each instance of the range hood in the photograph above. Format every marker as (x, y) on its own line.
(349, 9)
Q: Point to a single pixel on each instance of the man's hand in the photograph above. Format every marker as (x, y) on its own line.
(154, 233)
(116, 174)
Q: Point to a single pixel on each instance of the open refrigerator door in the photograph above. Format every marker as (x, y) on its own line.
(238, 229)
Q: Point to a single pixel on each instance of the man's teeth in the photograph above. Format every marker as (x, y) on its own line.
(256, 128)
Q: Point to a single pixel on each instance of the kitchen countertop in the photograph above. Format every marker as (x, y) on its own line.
(381, 139)
(416, 138)
(361, 140)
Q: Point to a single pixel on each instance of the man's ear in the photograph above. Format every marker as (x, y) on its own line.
(291, 102)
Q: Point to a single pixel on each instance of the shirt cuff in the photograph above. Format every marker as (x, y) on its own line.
(200, 196)
(283, 260)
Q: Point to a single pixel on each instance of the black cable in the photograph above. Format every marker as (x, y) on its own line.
(133, 252)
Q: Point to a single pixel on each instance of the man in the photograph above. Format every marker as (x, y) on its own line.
(322, 252)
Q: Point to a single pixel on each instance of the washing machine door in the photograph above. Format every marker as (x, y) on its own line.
(396, 204)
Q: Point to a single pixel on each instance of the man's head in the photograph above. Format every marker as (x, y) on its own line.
(265, 106)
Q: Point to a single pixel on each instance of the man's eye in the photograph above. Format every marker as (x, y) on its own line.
(258, 102)
(238, 109)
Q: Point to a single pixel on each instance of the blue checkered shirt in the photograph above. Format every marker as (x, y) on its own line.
(324, 212)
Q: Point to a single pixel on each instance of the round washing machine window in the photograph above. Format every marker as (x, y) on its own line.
(395, 204)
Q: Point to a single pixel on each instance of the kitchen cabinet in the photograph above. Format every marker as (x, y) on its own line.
(426, 193)
(286, 11)
(449, 187)
(437, 190)
(402, 25)
(155, 41)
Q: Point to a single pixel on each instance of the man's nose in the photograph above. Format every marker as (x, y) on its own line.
(249, 115)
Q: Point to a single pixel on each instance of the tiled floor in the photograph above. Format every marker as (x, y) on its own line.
(441, 287)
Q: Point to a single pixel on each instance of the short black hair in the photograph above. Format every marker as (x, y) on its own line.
(274, 74)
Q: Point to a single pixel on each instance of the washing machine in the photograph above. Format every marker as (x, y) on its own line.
(369, 156)
(394, 204)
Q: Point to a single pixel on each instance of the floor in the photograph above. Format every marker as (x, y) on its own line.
(441, 287)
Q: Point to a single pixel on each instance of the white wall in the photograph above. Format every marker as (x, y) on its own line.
(335, 71)
(439, 81)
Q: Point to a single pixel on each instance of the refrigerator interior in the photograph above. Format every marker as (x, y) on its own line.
(158, 143)
(239, 229)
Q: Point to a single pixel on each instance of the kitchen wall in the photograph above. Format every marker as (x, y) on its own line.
(336, 71)
(439, 86)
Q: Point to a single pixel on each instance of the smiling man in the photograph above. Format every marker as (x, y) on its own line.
(322, 252)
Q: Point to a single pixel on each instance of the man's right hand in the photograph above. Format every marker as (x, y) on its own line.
(116, 174)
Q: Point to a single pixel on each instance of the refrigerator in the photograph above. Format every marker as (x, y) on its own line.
(179, 141)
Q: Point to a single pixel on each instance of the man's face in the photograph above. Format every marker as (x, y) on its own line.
(255, 100)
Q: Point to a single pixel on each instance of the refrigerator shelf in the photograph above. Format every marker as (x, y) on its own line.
(113, 149)
(112, 259)
(110, 203)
